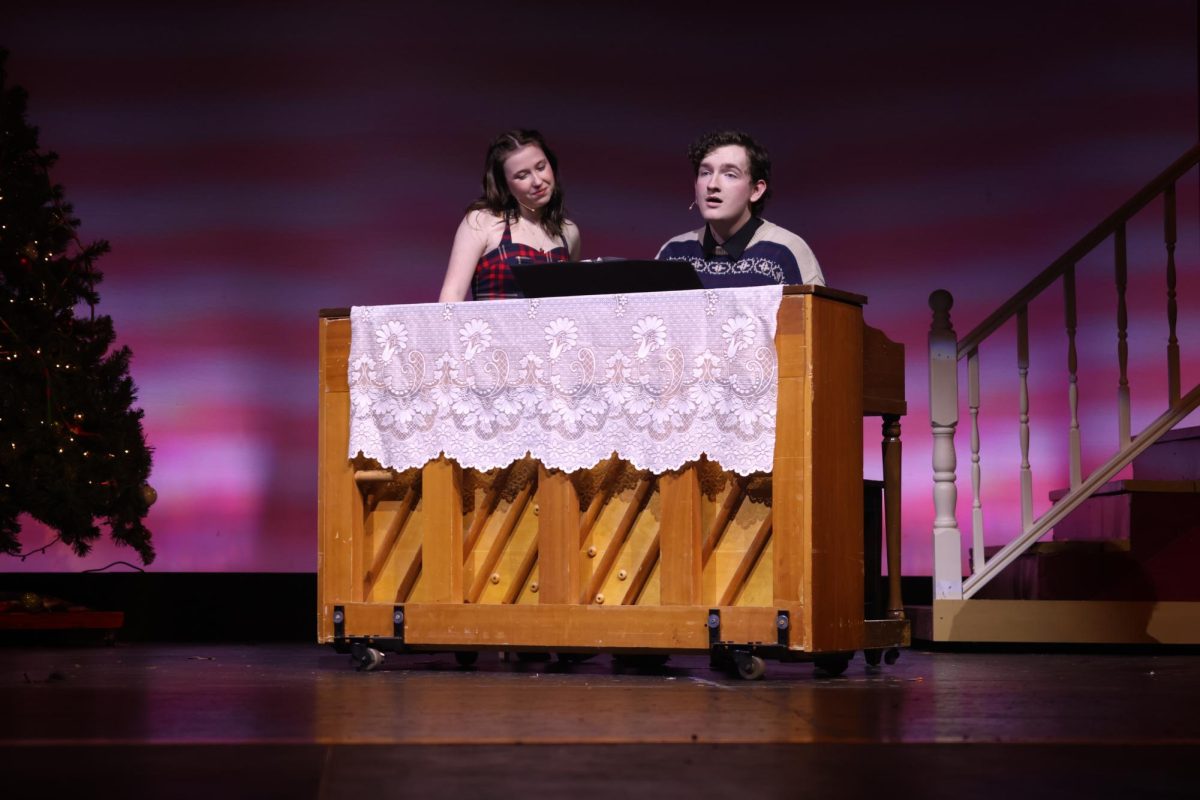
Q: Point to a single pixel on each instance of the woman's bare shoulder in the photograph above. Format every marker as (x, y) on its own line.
(482, 220)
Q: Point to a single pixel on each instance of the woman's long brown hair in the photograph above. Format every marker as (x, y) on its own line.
(496, 196)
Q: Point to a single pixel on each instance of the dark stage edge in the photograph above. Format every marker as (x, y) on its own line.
(297, 721)
(821, 770)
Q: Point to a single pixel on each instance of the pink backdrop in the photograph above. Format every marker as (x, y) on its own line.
(254, 162)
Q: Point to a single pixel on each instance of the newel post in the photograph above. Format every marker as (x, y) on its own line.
(943, 418)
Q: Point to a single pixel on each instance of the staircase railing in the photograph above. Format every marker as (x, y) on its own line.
(945, 351)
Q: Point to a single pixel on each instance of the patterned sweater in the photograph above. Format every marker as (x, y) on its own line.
(772, 255)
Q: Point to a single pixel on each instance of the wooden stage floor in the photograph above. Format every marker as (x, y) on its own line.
(297, 721)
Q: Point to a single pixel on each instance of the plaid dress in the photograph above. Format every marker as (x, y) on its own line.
(494, 279)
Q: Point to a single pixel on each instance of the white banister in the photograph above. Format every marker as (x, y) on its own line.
(1076, 471)
(1122, 338)
(946, 349)
(1023, 420)
(1172, 309)
(977, 555)
(943, 418)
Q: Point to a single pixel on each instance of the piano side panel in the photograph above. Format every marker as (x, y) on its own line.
(339, 504)
(833, 597)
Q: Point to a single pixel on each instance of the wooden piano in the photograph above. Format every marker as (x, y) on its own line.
(618, 560)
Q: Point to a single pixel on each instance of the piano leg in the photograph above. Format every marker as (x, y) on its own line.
(891, 515)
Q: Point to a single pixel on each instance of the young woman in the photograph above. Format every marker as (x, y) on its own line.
(517, 220)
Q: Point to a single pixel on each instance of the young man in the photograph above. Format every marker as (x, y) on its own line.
(736, 246)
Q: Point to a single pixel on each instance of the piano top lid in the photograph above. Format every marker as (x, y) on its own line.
(825, 291)
(817, 291)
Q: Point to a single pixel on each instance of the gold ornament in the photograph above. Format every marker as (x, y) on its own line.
(148, 494)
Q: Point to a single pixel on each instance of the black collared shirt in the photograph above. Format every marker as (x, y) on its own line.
(735, 245)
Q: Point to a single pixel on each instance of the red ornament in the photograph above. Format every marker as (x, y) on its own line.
(78, 430)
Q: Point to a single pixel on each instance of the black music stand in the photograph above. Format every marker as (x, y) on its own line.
(562, 279)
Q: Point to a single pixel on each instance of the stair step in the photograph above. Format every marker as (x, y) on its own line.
(1053, 548)
(1175, 456)
(1133, 540)
(1088, 570)
(1137, 485)
(1070, 570)
(1125, 510)
(1150, 567)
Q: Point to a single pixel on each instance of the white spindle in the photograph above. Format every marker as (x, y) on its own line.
(1122, 343)
(943, 418)
(1172, 309)
(1072, 375)
(1023, 374)
(977, 558)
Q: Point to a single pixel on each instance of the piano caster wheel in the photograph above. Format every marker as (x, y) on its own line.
(750, 668)
(366, 658)
(832, 665)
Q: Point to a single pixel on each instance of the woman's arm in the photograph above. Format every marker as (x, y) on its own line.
(469, 242)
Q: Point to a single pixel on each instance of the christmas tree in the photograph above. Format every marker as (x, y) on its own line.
(72, 450)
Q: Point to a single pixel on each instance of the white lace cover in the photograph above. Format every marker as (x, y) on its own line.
(659, 378)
